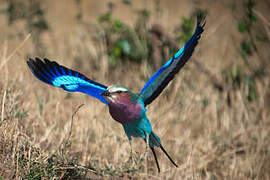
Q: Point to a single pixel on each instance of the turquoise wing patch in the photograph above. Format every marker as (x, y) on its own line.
(54, 74)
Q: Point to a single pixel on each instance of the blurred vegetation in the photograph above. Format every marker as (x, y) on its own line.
(124, 42)
(32, 13)
(237, 76)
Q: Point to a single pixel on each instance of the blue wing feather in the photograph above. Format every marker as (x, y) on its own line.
(54, 74)
(166, 73)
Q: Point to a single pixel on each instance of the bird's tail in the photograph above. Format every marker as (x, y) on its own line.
(155, 141)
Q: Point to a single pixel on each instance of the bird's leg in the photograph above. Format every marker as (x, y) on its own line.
(131, 151)
(131, 157)
(146, 143)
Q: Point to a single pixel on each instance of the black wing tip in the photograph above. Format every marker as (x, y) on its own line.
(41, 69)
(33, 62)
(37, 60)
(30, 62)
(201, 19)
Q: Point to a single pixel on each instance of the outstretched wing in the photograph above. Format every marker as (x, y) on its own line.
(166, 73)
(54, 74)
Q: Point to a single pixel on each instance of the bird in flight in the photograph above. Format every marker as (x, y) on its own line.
(125, 107)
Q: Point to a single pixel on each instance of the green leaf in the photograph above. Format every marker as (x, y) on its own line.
(246, 47)
(243, 26)
(125, 46)
(116, 51)
(146, 12)
(252, 91)
(107, 17)
(252, 17)
(118, 25)
(127, 2)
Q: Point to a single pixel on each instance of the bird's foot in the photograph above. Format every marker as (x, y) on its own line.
(143, 155)
(132, 158)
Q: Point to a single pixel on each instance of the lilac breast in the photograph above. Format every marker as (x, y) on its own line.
(125, 112)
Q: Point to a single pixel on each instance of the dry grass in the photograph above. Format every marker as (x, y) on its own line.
(207, 136)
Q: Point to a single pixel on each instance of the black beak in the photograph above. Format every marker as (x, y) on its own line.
(105, 93)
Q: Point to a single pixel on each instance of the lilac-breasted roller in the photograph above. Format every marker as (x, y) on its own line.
(125, 107)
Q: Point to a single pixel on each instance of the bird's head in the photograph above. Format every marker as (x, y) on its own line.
(115, 93)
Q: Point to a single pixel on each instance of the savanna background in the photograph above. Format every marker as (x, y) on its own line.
(213, 118)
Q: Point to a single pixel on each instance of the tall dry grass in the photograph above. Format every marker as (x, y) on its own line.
(207, 136)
